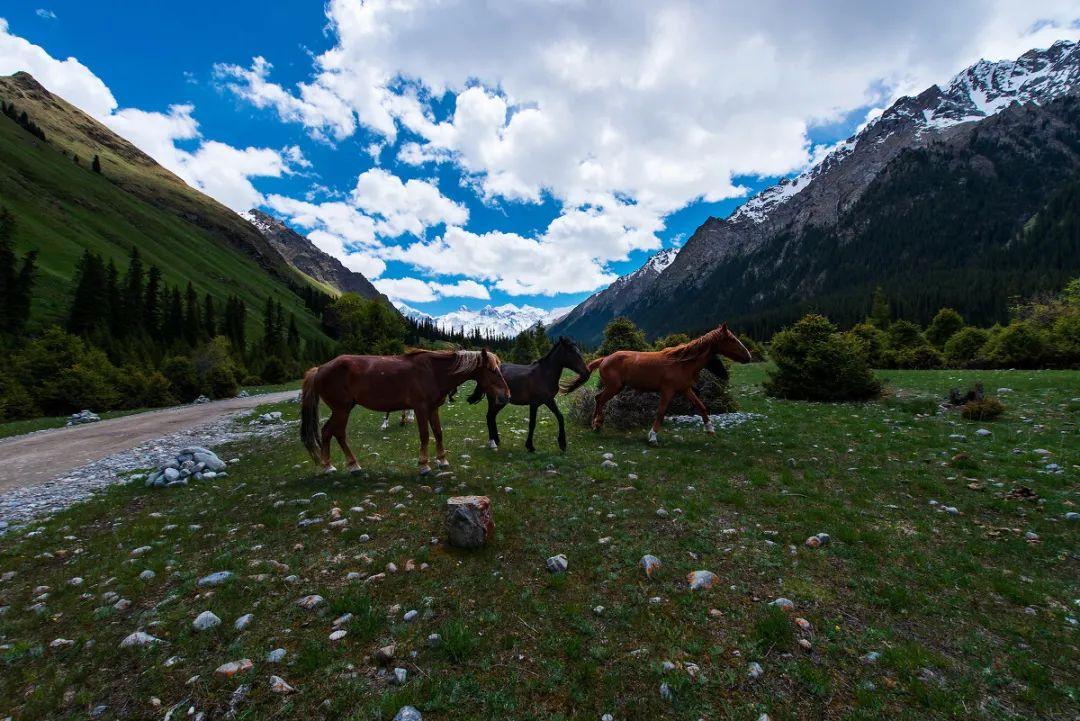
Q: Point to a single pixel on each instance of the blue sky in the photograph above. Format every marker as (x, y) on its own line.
(525, 152)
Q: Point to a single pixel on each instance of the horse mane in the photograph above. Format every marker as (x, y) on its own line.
(464, 361)
(694, 348)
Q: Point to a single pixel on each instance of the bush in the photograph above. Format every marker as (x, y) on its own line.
(143, 389)
(276, 370)
(622, 334)
(983, 409)
(757, 352)
(871, 341)
(183, 381)
(63, 374)
(222, 382)
(671, 340)
(815, 363)
(944, 326)
(630, 409)
(251, 380)
(15, 400)
(1065, 341)
(919, 358)
(1018, 345)
(965, 346)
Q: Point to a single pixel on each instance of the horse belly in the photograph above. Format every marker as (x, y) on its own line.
(382, 389)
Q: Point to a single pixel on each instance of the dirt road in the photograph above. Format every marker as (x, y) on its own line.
(37, 457)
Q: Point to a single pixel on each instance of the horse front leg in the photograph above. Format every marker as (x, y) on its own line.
(327, 434)
(440, 450)
(422, 428)
(532, 427)
(493, 428)
(385, 423)
(554, 408)
(702, 410)
(661, 409)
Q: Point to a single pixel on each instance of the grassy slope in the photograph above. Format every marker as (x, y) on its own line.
(63, 208)
(926, 589)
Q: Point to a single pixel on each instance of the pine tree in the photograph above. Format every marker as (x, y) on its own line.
(209, 318)
(134, 290)
(293, 340)
(114, 305)
(192, 321)
(543, 343)
(174, 317)
(622, 334)
(524, 350)
(95, 165)
(880, 313)
(89, 305)
(15, 284)
(152, 301)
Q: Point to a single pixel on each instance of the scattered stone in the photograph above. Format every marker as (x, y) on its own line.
(61, 643)
(140, 551)
(147, 575)
(608, 464)
(665, 692)
(205, 621)
(244, 621)
(215, 579)
(434, 640)
(230, 669)
(1072, 516)
(557, 564)
(469, 522)
(410, 616)
(982, 432)
(650, 563)
(408, 713)
(385, 654)
(139, 638)
(276, 655)
(338, 635)
(310, 602)
(754, 669)
(400, 674)
(701, 580)
(818, 540)
(870, 657)
(280, 685)
(785, 604)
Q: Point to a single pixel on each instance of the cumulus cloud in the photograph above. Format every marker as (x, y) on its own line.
(415, 290)
(404, 207)
(622, 112)
(220, 170)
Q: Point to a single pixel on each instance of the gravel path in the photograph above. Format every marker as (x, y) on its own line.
(45, 471)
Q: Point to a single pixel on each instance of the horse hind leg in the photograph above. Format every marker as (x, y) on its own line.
(493, 428)
(422, 429)
(339, 421)
(440, 450)
(327, 434)
(602, 398)
(385, 423)
(532, 428)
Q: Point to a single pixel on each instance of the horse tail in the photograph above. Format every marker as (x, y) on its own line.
(581, 379)
(309, 415)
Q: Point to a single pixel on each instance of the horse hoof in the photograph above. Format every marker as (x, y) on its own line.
(384, 426)
(493, 445)
(654, 439)
(425, 470)
(530, 449)
(329, 469)
(354, 470)
(443, 463)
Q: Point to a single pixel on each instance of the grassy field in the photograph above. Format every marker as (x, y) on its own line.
(962, 615)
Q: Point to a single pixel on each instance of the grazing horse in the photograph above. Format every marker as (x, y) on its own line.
(535, 385)
(669, 371)
(419, 380)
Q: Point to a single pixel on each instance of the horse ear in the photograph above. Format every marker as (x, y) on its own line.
(723, 326)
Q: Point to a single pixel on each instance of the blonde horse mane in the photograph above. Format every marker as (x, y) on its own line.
(464, 361)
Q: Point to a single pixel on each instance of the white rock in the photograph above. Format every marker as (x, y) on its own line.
(244, 621)
(557, 564)
(139, 639)
(205, 620)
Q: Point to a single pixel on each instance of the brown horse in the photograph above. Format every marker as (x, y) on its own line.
(669, 371)
(419, 380)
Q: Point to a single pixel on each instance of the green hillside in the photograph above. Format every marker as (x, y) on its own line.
(63, 208)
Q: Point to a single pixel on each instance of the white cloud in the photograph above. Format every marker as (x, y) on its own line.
(416, 290)
(404, 207)
(220, 170)
(45, 14)
(621, 113)
(69, 78)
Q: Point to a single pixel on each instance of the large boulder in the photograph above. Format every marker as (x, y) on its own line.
(468, 521)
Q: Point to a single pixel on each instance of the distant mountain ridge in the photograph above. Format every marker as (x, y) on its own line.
(503, 320)
(306, 257)
(762, 247)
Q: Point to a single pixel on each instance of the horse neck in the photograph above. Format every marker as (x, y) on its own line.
(550, 366)
(446, 380)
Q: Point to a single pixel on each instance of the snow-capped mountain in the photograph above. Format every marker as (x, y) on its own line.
(759, 245)
(506, 320)
(604, 305)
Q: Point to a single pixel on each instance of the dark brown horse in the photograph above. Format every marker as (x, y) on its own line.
(419, 380)
(667, 372)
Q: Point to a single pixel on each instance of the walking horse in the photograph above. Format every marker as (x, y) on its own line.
(667, 372)
(535, 385)
(419, 380)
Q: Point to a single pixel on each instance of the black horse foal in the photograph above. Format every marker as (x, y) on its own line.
(535, 385)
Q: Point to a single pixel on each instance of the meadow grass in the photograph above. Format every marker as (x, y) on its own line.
(968, 618)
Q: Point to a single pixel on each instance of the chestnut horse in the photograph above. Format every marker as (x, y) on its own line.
(669, 371)
(419, 380)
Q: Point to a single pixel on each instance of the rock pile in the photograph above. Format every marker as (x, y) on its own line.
(200, 400)
(267, 419)
(192, 462)
(83, 416)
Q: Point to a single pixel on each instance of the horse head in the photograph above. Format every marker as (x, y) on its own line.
(567, 355)
(490, 378)
(728, 344)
